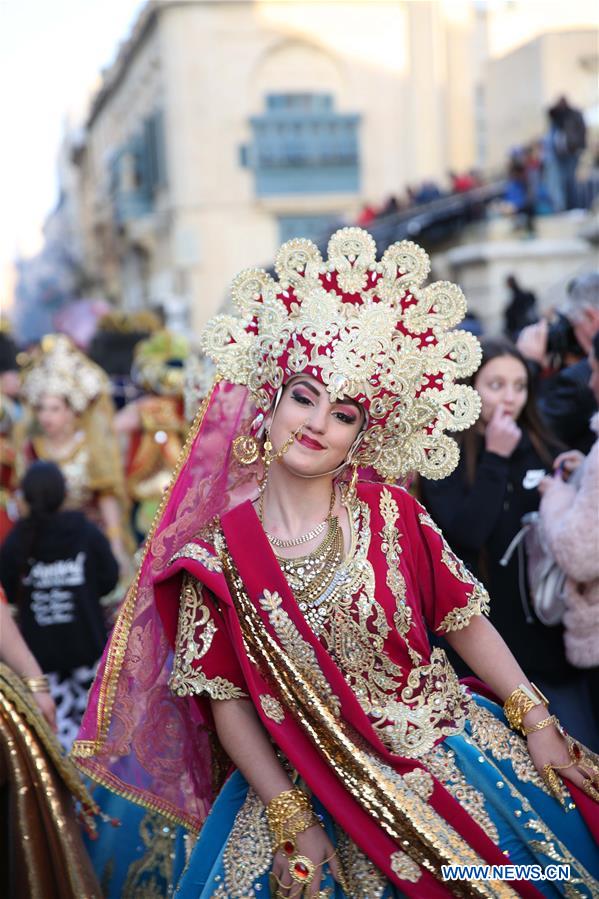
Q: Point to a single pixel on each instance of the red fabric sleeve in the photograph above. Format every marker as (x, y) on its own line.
(450, 594)
(204, 661)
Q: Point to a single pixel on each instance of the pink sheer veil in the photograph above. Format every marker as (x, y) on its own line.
(137, 738)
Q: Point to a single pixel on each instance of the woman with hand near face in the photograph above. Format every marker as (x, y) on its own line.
(480, 507)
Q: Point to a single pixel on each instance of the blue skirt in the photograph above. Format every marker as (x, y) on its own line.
(486, 768)
(137, 854)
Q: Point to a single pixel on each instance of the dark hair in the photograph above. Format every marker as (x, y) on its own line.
(44, 490)
(529, 419)
(595, 343)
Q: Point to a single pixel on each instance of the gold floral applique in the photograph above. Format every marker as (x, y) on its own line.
(391, 547)
(404, 867)
(195, 633)
(361, 879)
(441, 762)
(248, 852)
(432, 705)
(272, 708)
(198, 554)
(300, 651)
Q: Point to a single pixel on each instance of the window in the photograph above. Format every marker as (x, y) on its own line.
(301, 145)
(313, 227)
(138, 170)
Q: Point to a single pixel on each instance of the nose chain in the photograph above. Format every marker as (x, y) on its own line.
(281, 543)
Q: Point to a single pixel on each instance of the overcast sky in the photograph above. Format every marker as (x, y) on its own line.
(51, 52)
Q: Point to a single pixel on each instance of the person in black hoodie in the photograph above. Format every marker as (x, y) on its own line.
(55, 566)
(480, 507)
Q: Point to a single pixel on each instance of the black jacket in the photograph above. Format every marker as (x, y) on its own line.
(479, 522)
(567, 404)
(57, 589)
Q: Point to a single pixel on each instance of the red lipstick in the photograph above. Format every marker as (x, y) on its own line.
(310, 443)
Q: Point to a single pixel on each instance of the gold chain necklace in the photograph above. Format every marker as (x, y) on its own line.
(312, 577)
(281, 543)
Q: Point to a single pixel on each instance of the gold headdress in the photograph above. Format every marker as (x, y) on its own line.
(367, 330)
(60, 369)
(158, 363)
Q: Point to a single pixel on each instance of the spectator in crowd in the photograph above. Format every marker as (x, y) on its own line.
(427, 192)
(41, 850)
(391, 206)
(366, 215)
(55, 566)
(570, 519)
(521, 309)
(462, 182)
(520, 192)
(479, 507)
(565, 399)
(567, 140)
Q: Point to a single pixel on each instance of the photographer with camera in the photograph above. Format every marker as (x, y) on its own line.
(562, 345)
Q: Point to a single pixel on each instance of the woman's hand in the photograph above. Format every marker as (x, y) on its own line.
(47, 708)
(314, 844)
(569, 461)
(502, 434)
(549, 747)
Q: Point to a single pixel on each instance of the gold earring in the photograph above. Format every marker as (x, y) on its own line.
(351, 490)
(246, 449)
(267, 458)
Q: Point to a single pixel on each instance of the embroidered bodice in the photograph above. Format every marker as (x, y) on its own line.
(373, 623)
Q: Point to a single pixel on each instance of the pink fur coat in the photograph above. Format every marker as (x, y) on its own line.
(570, 517)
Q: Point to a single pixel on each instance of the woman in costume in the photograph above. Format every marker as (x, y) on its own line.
(154, 424)
(69, 422)
(279, 621)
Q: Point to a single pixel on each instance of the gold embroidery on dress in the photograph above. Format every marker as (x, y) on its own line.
(504, 744)
(248, 853)
(427, 837)
(441, 762)
(362, 879)
(421, 782)
(353, 632)
(555, 850)
(456, 619)
(272, 708)
(195, 633)
(478, 601)
(395, 580)
(299, 650)
(151, 875)
(198, 554)
(432, 705)
(404, 867)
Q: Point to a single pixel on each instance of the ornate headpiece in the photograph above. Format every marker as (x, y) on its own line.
(158, 363)
(60, 369)
(367, 330)
(198, 379)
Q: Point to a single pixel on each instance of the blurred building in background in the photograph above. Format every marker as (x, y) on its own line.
(226, 126)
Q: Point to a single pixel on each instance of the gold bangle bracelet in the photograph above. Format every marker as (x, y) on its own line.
(540, 725)
(521, 701)
(37, 684)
